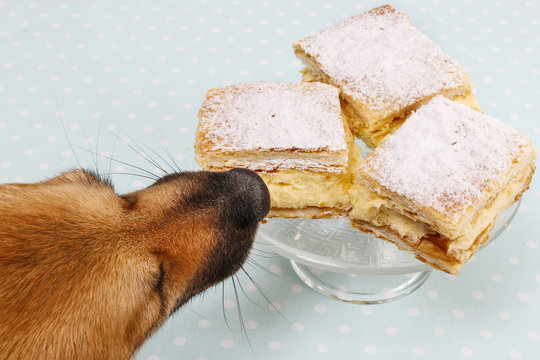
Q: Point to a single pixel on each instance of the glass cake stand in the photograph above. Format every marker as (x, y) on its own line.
(346, 264)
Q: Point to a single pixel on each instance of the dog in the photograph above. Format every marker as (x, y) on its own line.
(90, 274)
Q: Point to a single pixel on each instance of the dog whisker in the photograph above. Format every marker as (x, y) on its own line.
(130, 174)
(165, 147)
(162, 159)
(98, 137)
(268, 300)
(264, 254)
(139, 152)
(240, 316)
(256, 249)
(92, 152)
(149, 158)
(223, 309)
(253, 262)
(112, 154)
(151, 174)
(145, 156)
(248, 297)
(59, 116)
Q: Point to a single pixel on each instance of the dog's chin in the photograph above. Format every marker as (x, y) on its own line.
(107, 270)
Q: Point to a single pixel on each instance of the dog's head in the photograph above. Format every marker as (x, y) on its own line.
(106, 270)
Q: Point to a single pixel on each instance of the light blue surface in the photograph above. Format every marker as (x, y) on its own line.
(109, 70)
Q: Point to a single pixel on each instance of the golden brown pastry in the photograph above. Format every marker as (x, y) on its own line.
(384, 67)
(293, 135)
(437, 185)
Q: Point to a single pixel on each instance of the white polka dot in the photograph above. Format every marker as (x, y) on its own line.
(251, 325)
(496, 277)
(153, 357)
(204, 323)
(28, 151)
(466, 351)
(296, 288)
(505, 315)
(320, 308)
(514, 354)
(523, 296)
(5, 164)
(370, 349)
(392, 331)
(458, 313)
(227, 343)
(366, 310)
(297, 327)
(486, 334)
(179, 341)
(412, 311)
(418, 351)
(514, 260)
(477, 295)
(275, 269)
(439, 331)
(432, 294)
(533, 336)
(344, 329)
(274, 345)
(274, 306)
(43, 166)
(321, 348)
(531, 244)
(229, 304)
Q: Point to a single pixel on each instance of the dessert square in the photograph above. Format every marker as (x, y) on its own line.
(438, 184)
(384, 67)
(293, 135)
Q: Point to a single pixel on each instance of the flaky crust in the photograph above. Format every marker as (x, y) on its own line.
(433, 248)
(309, 212)
(371, 90)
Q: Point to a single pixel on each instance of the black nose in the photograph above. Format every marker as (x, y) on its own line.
(250, 199)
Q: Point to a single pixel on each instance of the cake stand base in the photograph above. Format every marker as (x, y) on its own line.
(360, 289)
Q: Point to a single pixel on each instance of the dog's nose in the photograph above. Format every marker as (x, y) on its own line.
(251, 201)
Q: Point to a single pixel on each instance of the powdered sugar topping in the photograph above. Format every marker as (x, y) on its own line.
(274, 116)
(445, 156)
(379, 58)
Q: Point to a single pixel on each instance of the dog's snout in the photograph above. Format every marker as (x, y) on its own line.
(251, 201)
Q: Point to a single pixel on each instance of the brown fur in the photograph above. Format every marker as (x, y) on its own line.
(89, 274)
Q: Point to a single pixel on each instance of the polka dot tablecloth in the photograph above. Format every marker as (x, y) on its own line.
(111, 84)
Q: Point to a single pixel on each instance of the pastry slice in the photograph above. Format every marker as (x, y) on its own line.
(293, 135)
(437, 185)
(385, 68)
